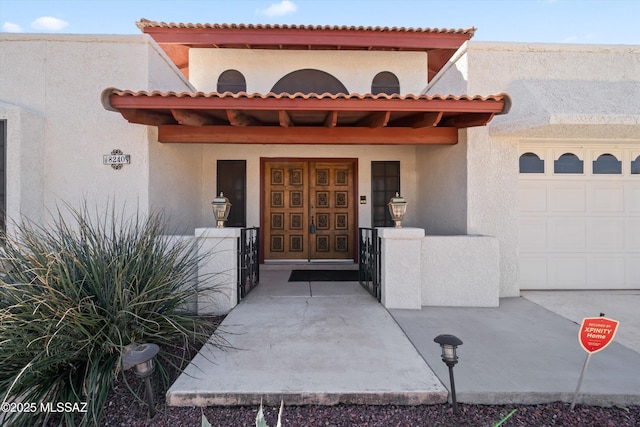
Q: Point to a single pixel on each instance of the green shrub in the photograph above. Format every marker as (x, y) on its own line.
(73, 294)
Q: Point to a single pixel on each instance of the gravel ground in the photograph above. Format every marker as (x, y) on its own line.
(555, 414)
(123, 410)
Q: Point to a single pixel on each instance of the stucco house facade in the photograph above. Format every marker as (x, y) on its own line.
(520, 163)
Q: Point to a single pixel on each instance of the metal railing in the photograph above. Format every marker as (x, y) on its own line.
(248, 261)
(370, 261)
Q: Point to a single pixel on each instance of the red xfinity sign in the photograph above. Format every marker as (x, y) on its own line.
(596, 333)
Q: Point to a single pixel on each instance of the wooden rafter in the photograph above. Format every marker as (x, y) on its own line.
(239, 118)
(285, 119)
(331, 119)
(146, 117)
(192, 118)
(468, 120)
(375, 120)
(420, 120)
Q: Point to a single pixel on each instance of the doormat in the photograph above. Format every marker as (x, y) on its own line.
(324, 276)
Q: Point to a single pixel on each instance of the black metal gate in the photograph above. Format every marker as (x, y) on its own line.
(248, 261)
(370, 261)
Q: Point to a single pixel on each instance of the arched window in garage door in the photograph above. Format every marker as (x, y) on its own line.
(531, 163)
(568, 163)
(607, 164)
(635, 166)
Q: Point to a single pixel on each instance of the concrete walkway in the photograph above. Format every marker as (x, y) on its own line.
(329, 343)
(309, 343)
(523, 352)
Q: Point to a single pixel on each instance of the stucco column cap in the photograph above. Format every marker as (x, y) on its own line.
(221, 233)
(407, 233)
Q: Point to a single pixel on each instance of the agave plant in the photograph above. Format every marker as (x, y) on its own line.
(261, 422)
(75, 293)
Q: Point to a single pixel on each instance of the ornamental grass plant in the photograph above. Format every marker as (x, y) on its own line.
(74, 293)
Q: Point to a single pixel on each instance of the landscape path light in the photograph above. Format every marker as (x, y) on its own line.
(221, 207)
(449, 344)
(397, 209)
(140, 356)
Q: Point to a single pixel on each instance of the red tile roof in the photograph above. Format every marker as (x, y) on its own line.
(300, 95)
(305, 118)
(177, 38)
(145, 23)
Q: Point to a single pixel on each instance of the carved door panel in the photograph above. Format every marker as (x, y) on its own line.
(309, 211)
(286, 210)
(331, 210)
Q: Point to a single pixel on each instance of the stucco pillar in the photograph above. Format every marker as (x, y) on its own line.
(401, 267)
(218, 269)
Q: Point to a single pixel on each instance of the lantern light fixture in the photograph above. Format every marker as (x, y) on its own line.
(397, 209)
(140, 356)
(221, 207)
(449, 344)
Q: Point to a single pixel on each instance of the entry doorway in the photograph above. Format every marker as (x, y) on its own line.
(309, 209)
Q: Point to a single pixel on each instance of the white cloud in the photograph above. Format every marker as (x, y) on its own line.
(10, 27)
(285, 7)
(48, 23)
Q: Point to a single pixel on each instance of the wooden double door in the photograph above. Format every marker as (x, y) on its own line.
(309, 209)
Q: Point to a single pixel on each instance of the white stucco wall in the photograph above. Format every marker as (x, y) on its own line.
(263, 68)
(559, 93)
(60, 131)
(24, 142)
(442, 188)
(253, 153)
(558, 90)
(460, 271)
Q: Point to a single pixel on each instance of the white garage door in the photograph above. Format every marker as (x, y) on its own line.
(579, 217)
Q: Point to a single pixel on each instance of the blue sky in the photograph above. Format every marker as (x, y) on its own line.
(545, 21)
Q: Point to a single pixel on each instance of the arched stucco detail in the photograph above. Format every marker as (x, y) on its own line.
(309, 81)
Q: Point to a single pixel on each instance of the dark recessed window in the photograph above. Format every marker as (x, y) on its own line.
(635, 166)
(531, 163)
(232, 181)
(568, 163)
(385, 82)
(607, 164)
(385, 182)
(231, 81)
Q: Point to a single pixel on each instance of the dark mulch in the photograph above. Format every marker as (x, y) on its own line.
(555, 414)
(123, 410)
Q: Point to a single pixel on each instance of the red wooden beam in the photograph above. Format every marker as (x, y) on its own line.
(307, 135)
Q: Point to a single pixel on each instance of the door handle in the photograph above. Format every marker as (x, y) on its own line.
(312, 227)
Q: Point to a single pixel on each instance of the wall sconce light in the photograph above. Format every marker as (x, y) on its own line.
(449, 343)
(221, 207)
(141, 357)
(397, 209)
